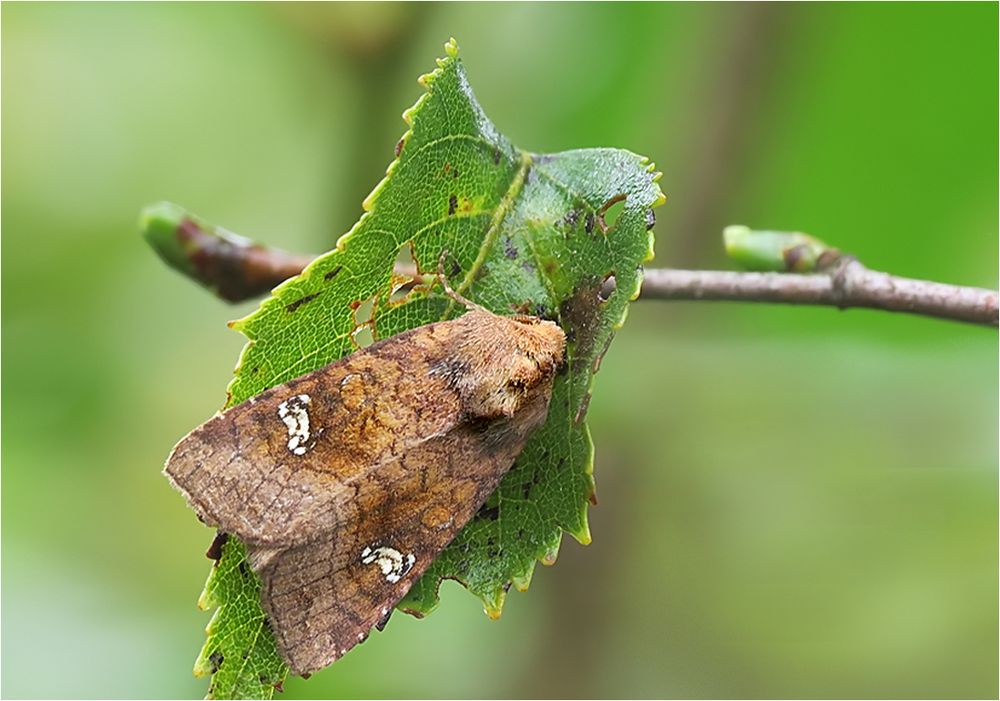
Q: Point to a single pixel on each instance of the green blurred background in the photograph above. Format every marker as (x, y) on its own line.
(794, 502)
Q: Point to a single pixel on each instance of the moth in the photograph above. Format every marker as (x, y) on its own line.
(346, 483)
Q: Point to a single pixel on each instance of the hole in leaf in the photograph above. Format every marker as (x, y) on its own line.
(607, 288)
(363, 336)
(364, 311)
(405, 275)
(364, 321)
(610, 212)
(216, 659)
(405, 264)
(401, 291)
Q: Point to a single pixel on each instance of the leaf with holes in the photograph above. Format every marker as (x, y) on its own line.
(561, 236)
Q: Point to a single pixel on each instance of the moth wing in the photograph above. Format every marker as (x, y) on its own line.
(283, 468)
(324, 597)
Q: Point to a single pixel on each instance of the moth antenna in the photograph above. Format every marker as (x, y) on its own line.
(468, 304)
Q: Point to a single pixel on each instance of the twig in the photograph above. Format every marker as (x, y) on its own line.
(237, 269)
(233, 267)
(847, 284)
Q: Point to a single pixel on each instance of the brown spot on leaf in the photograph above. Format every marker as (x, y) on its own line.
(582, 411)
(452, 205)
(579, 316)
(571, 217)
(216, 659)
(588, 223)
(596, 366)
(299, 302)
(214, 551)
(496, 156)
(333, 273)
(399, 146)
(509, 249)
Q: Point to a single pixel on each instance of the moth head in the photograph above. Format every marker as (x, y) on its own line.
(512, 360)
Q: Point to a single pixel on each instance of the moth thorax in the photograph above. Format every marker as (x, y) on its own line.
(509, 359)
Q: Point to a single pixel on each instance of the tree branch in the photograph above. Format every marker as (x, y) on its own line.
(847, 284)
(233, 267)
(237, 269)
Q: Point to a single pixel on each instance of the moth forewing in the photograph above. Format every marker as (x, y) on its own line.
(278, 469)
(347, 482)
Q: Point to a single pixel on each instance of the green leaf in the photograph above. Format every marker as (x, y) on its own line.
(561, 236)
(240, 652)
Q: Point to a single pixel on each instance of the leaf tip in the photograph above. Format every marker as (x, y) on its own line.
(522, 581)
(581, 533)
(451, 53)
(493, 606)
(202, 667)
(368, 202)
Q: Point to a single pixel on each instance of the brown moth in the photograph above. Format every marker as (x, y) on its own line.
(347, 482)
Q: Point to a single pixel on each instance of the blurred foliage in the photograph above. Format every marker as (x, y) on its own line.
(794, 502)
